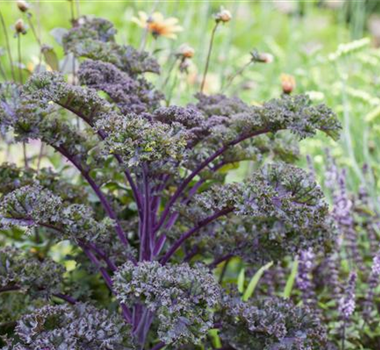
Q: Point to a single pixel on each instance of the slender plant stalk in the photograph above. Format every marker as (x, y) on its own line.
(234, 76)
(146, 30)
(344, 335)
(169, 73)
(8, 46)
(40, 155)
(65, 297)
(2, 71)
(189, 233)
(77, 8)
(171, 90)
(21, 82)
(103, 200)
(19, 58)
(209, 55)
(30, 22)
(101, 134)
(158, 346)
(72, 12)
(25, 155)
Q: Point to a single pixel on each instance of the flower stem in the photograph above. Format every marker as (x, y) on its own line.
(209, 55)
(19, 57)
(40, 155)
(8, 46)
(169, 73)
(146, 30)
(25, 155)
(28, 16)
(233, 77)
(2, 71)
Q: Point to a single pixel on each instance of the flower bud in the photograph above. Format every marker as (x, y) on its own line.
(223, 16)
(288, 83)
(185, 51)
(20, 27)
(266, 57)
(23, 6)
(262, 57)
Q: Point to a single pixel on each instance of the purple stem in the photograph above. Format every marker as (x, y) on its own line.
(145, 238)
(194, 251)
(142, 328)
(65, 297)
(158, 346)
(118, 158)
(187, 234)
(9, 288)
(125, 311)
(173, 218)
(216, 262)
(98, 192)
(195, 172)
(103, 255)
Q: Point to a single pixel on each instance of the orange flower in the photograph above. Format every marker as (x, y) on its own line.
(288, 83)
(158, 25)
(185, 51)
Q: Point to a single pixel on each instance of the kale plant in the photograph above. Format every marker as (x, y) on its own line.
(152, 219)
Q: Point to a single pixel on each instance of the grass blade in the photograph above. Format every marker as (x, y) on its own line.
(255, 280)
(290, 282)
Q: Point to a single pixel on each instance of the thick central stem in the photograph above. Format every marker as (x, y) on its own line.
(146, 226)
(195, 172)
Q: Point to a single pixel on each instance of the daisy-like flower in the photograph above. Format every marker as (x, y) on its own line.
(158, 25)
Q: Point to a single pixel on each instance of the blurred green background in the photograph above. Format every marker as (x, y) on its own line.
(319, 43)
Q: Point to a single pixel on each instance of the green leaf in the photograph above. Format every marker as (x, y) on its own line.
(290, 282)
(241, 280)
(50, 57)
(255, 279)
(215, 338)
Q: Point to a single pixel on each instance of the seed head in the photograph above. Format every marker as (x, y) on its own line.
(261, 57)
(20, 27)
(288, 83)
(23, 6)
(223, 15)
(185, 51)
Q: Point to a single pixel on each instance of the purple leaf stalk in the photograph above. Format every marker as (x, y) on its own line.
(163, 208)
